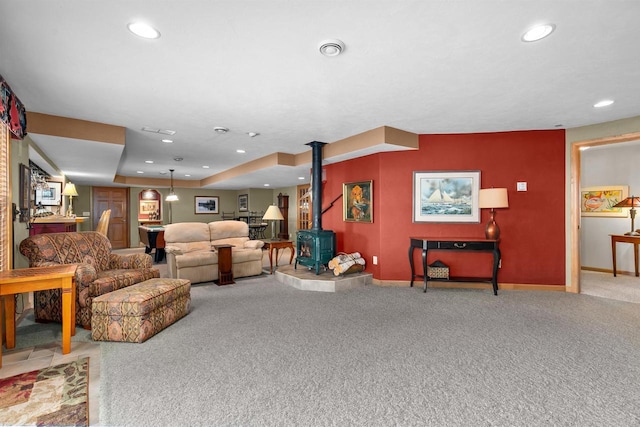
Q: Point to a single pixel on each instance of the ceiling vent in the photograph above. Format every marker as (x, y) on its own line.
(331, 47)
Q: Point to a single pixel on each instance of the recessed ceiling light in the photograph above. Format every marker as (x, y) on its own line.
(603, 103)
(220, 129)
(148, 161)
(139, 172)
(168, 141)
(331, 47)
(301, 177)
(240, 151)
(143, 30)
(205, 167)
(186, 174)
(538, 32)
(178, 159)
(253, 134)
(267, 185)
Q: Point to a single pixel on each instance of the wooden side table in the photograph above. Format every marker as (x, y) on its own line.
(38, 279)
(277, 244)
(225, 265)
(620, 238)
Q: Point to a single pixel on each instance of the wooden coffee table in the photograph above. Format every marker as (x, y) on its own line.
(277, 245)
(38, 279)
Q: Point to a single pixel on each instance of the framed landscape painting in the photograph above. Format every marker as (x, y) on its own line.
(206, 204)
(446, 196)
(599, 201)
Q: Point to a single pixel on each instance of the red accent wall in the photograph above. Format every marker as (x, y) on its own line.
(532, 228)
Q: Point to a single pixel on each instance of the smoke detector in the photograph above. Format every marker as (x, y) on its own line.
(331, 47)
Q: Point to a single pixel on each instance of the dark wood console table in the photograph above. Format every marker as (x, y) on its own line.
(455, 244)
(634, 240)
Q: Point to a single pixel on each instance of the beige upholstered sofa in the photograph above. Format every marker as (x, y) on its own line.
(191, 254)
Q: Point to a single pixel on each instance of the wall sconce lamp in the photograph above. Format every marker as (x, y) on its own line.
(70, 190)
(273, 214)
(630, 202)
(493, 198)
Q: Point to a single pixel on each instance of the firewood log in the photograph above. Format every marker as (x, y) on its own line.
(342, 258)
(344, 266)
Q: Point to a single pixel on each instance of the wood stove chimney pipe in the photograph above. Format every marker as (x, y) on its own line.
(316, 184)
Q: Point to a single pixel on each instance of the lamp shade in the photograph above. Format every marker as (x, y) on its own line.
(273, 213)
(493, 198)
(629, 202)
(172, 196)
(69, 190)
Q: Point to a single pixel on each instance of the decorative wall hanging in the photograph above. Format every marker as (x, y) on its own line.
(357, 201)
(446, 196)
(600, 201)
(12, 111)
(243, 202)
(206, 204)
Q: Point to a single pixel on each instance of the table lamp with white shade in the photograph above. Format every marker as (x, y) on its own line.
(70, 190)
(493, 198)
(273, 214)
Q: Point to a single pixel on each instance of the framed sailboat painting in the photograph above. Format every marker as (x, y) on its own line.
(446, 196)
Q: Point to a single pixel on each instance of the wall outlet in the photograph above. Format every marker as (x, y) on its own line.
(521, 186)
(375, 260)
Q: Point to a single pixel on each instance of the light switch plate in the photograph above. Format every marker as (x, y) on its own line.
(521, 186)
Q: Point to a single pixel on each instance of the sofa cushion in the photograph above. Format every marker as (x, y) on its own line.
(187, 232)
(220, 230)
(253, 244)
(237, 242)
(68, 248)
(244, 255)
(112, 280)
(179, 248)
(196, 259)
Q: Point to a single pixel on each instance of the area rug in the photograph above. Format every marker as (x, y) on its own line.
(53, 396)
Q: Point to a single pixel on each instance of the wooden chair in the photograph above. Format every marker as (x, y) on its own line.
(103, 223)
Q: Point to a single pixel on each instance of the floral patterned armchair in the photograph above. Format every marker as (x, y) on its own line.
(99, 271)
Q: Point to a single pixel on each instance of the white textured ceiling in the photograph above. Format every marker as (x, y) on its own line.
(253, 66)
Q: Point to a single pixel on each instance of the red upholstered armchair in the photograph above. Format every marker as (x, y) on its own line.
(99, 271)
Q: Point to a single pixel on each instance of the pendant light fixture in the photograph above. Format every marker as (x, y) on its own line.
(172, 197)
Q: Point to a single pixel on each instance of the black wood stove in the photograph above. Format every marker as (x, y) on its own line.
(315, 247)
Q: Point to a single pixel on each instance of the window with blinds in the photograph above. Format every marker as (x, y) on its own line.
(5, 209)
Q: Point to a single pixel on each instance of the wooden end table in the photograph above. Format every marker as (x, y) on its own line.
(270, 245)
(621, 238)
(225, 265)
(39, 279)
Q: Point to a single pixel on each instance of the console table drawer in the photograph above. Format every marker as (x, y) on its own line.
(465, 246)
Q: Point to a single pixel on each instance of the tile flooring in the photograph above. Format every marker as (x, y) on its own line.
(20, 360)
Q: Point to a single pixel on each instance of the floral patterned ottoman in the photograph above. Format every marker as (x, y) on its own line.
(138, 312)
